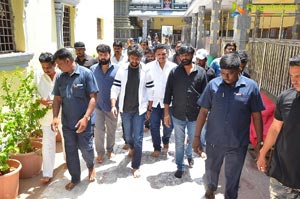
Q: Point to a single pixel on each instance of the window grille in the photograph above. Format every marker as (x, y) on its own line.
(66, 27)
(7, 43)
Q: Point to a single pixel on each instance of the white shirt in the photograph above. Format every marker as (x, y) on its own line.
(123, 59)
(45, 86)
(160, 76)
(145, 87)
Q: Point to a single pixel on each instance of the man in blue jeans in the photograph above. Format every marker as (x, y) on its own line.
(75, 90)
(133, 85)
(184, 86)
(231, 101)
(160, 69)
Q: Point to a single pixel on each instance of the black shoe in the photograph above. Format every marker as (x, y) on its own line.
(178, 174)
(209, 194)
(191, 162)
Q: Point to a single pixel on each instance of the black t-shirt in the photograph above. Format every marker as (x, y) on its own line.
(131, 99)
(285, 166)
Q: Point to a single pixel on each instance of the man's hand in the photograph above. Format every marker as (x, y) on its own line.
(81, 125)
(197, 147)
(167, 121)
(54, 125)
(261, 162)
(46, 102)
(148, 114)
(114, 111)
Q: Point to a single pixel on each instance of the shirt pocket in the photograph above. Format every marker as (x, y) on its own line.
(79, 92)
(241, 101)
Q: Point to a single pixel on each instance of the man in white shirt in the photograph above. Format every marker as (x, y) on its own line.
(45, 84)
(118, 57)
(160, 69)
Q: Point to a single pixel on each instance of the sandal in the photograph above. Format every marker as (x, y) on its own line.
(45, 180)
(71, 185)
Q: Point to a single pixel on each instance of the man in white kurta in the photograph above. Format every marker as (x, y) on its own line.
(45, 84)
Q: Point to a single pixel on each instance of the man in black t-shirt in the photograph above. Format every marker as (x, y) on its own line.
(284, 132)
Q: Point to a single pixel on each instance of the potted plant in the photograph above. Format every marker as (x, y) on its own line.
(9, 168)
(20, 113)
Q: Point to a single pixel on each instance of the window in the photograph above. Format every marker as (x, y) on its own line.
(7, 43)
(99, 28)
(66, 27)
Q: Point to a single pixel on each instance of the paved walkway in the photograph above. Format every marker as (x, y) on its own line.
(114, 178)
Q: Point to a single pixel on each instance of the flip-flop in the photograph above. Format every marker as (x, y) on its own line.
(71, 185)
(45, 180)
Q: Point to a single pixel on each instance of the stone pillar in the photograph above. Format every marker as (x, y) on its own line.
(214, 47)
(255, 31)
(200, 28)
(194, 29)
(121, 20)
(59, 23)
(296, 26)
(25, 24)
(145, 25)
(241, 26)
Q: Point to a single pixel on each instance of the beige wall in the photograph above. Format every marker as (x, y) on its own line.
(41, 26)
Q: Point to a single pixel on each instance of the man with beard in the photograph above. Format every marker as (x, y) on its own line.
(160, 69)
(149, 55)
(184, 86)
(133, 85)
(106, 123)
(82, 58)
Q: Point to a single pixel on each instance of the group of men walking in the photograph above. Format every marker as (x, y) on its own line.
(189, 97)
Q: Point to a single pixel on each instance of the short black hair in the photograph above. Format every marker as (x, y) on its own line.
(243, 56)
(63, 53)
(118, 44)
(149, 50)
(294, 61)
(46, 58)
(144, 41)
(230, 61)
(135, 50)
(161, 46)
(230, 44)
(103, 48)
(186, 49)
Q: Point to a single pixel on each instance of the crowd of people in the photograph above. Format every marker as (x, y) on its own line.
(209, 108)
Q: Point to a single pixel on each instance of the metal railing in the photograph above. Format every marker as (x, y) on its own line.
(269, 63)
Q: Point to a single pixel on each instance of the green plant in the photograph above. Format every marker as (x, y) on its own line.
(20, 113)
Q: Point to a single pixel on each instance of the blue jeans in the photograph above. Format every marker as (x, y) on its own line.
(134, 132)
(156, 118)
(73, 142)
(234, 161)
(179, 129)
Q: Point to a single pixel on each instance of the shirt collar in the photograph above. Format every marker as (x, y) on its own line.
(240, 82)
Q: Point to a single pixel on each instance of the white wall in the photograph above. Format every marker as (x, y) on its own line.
(86, 23)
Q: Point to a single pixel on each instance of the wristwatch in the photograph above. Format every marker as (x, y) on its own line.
(260, 143)
(87, 117)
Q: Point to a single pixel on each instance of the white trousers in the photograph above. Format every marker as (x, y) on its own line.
(49, 150)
